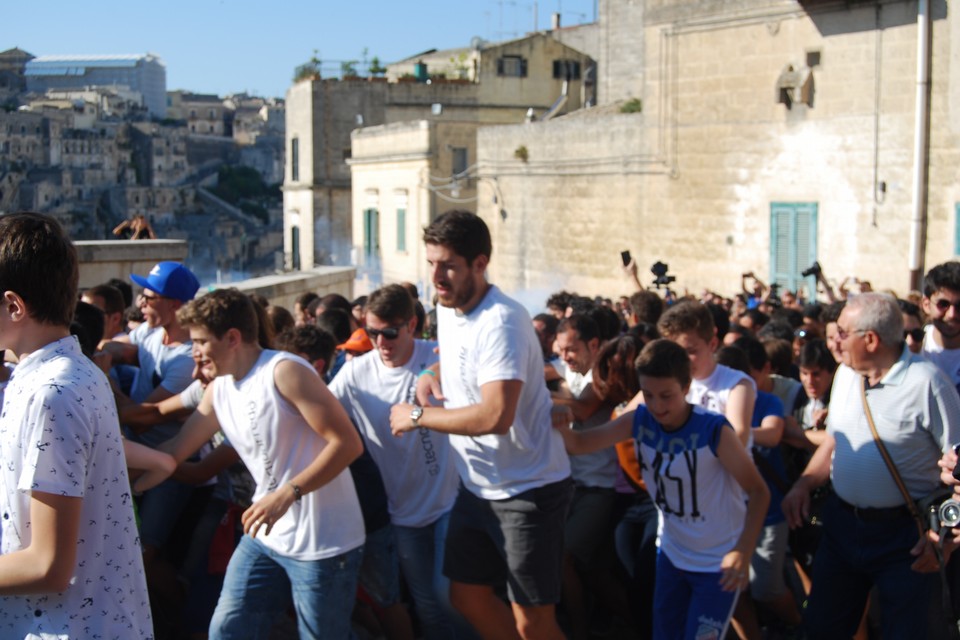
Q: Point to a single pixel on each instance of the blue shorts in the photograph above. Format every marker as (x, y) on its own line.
(690, 604)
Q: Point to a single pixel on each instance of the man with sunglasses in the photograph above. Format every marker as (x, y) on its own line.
(941, 304)
(418, 475)
(161, 349)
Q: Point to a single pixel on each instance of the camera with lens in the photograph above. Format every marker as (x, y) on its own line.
(659, 270)
(812, 270)
(948, 514)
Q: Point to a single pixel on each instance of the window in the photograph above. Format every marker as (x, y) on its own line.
(459, 160)
(295, 159)
(371, 234)
(566, 69)
(512, 66)
(213, 114)
(401, 229)
(793, 243)
(193, 113)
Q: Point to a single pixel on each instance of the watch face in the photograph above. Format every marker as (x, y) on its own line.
(415, 414)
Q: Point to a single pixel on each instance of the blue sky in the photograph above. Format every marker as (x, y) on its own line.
(229, 46)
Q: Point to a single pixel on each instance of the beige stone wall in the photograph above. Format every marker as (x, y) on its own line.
(691, 180)
(101, 260)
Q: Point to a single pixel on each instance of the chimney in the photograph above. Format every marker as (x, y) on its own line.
(555, 21)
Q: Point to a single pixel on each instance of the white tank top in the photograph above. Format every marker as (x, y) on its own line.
(276, 443)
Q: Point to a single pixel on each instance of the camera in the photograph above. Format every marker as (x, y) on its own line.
(659, 270)
(948, 514)
(812, 270)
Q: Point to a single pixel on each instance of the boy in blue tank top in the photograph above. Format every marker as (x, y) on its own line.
(695, 467)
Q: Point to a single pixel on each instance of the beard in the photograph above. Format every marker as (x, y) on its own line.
(460, 296)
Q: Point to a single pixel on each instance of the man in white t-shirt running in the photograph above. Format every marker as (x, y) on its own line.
(418, 472)
(304, 530)
(506, 528)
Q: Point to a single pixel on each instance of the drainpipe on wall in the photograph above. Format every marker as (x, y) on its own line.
(918, 219)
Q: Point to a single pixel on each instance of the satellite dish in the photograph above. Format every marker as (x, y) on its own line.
(476, 43)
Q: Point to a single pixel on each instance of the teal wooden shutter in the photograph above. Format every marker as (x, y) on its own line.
(793, 243)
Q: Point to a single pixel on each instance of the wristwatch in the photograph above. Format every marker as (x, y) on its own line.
(415, 414)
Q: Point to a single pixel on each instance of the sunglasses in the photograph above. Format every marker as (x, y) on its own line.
(390, 333)
(943, 304)
(914, 334)
(150, 300)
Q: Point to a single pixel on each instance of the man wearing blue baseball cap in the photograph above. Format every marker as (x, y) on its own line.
(161, 348)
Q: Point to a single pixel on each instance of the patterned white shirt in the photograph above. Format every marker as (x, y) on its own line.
(59, 434)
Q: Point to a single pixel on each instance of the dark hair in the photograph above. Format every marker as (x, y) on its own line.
(125, 289)
(759, 318)
(608, 322)
(265, 332)
(756, 353)
(411, 289)
(304, 299)
(87, 325)
(132, 314)
(550, 322)
(646, 306)
(391, 303)
(721, 319)
(112, 298)
(585, 327)
(793, 317)
(813, 310)
(780, 354)
(581, 304)
(336, 322)
(816, 354)
(688, 316)
(644, 331)
(559, 300)
(336, 301)
(614, 374)
(664, 359)
(909, 308)
(831, 312)
(777, 329)
(222, 310)
(942, 276)
(39, 263)
(733, 357)
(259, 300)
(465, 233)
(280, 319)
(421, 314)
(309, 340)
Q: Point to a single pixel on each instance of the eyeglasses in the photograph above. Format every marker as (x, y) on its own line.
(389, 333)
(914, 334)
(943, 304)
(843, 334)
(150, 300)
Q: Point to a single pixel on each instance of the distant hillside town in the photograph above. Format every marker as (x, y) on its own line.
(98, 140)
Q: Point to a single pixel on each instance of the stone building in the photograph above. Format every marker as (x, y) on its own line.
(758, 136)
(204, 113)
(145, 74)
(507, 82)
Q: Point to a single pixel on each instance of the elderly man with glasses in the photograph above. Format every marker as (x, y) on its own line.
(870, 537)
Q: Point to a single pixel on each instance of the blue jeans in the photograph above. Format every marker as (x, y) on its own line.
(257, 588)
(855, 555)
(421, 560)
(380, 569)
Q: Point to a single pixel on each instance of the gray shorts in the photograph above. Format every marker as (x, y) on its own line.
(766, 566)
(517, 542)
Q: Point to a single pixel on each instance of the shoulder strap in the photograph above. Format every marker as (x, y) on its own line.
(911, 505)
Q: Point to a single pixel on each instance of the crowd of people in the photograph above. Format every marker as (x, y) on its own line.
(184, 464)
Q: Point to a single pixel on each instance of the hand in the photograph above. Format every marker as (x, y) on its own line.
(820, 417)
(103, 360)
(735, 572)
(267, 510)
(630, 269)
(947, 463)
(428, 389)
(400, 420)
(925, 553)
(561, 416)
(796, 506)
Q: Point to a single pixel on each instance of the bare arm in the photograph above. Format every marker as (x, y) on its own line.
(735, 565)
(769, 433)
(739, 410)
(493, 414)
(199, 472)
(583, 407)
(156, 465)
(121, 352)
(796, 504)
(47, 564)
(307, 392)
(606, 435)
